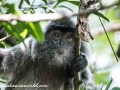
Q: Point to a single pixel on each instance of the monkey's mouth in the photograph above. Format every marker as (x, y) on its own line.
(60, 51)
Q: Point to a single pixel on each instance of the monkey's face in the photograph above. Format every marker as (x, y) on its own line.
(62, 42)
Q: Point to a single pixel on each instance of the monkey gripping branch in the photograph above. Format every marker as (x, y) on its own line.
(83, 32)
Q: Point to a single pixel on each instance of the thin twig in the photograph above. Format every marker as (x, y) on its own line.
(38, 17)
(85, 12)
(112, 27)
(30, 7)
(38, 6)
(20, 5)
(5, 38)
(107, 37)
(2, 3)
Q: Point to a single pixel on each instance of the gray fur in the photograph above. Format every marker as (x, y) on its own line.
(39, 63)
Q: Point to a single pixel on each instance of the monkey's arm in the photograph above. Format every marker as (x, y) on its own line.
(85, 75)
(15, 66)
(3, 52)
(14, 61)
(80, 65)
(18, 50)
(77, 65)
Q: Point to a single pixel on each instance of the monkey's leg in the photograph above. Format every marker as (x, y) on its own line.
(3, 53)
(13, 78)
(69, 84)
(8, 65)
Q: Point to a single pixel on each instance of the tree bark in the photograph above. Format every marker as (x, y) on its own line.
(82, 33)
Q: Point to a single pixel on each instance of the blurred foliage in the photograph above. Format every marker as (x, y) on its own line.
(101, 15)
(113, 14)
(107, 87)
(116, 88)
(103, 77)
(17, 28)
(102, 42)
(2, 45)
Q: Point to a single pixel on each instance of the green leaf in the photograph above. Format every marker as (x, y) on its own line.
(33, 11)
(1, 45)
(27, 1)
(3, 80)
(70, 1)
(77, 3)
(39, 31)
(107, 87)
(62, 6)
(116, 88)
(7, 27)
(58, 2)
(51, 9)
(45, 1)
(44, 7)
(104, 77)
(16, 32)
(12, 29)
(101, 15)
(24, 33)
(36, 31)
(11, 8)
(20, 30)
(111, 14)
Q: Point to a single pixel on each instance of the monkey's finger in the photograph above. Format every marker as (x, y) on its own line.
(80, 65)
(77, 64)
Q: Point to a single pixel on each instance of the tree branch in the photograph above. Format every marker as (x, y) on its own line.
(82, 33)
(51, 16)
(32, 17)
(113, 27)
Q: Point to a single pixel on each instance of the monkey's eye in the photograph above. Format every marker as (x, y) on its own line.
(56, 36)
(69, 38)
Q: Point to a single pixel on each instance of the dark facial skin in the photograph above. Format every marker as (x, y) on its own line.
(64, 42)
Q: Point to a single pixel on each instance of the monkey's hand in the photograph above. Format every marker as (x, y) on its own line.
(77, 65)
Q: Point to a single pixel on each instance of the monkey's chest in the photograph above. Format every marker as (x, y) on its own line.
(53, 80)
(43, 81)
